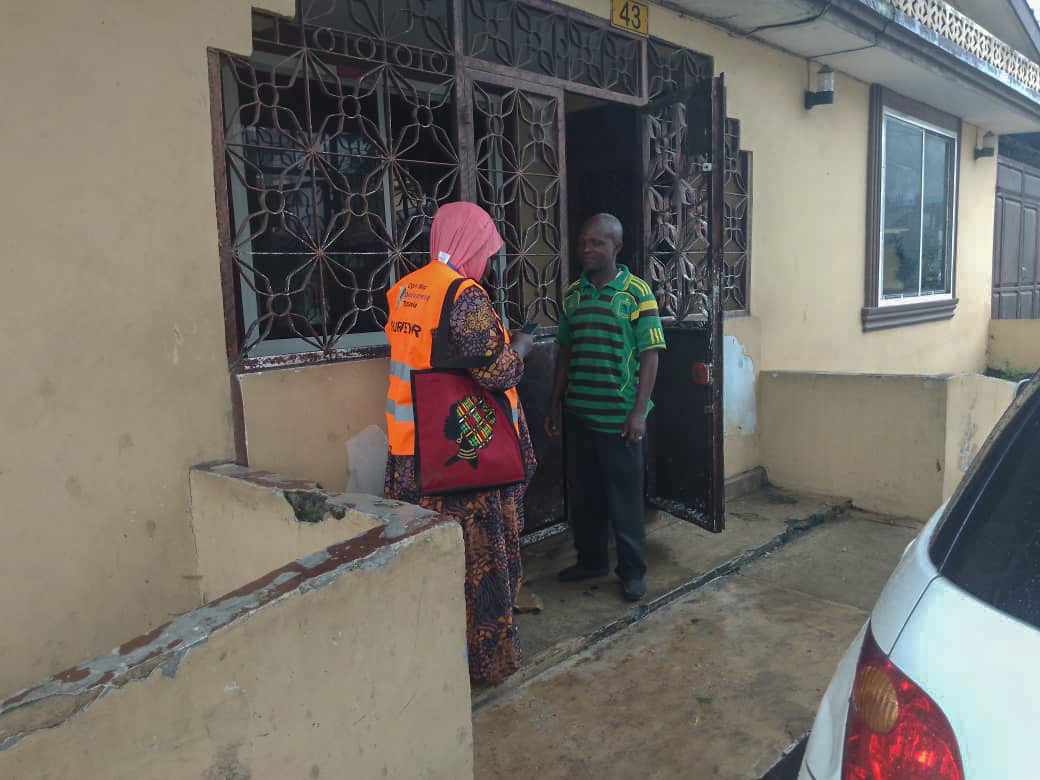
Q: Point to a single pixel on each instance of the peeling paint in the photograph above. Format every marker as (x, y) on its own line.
(740, 412)
(170, 665)
(10, 742)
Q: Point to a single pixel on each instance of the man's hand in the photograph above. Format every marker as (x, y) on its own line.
(635, 428)
(554, 419)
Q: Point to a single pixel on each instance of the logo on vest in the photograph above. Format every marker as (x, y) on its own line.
(407, 328)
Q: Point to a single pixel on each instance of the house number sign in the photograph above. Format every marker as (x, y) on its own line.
(630, 15)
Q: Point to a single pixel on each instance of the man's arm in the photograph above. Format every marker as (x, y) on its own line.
(554, 418)
(635, 424)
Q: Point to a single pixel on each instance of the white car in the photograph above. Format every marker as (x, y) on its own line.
(943, 682)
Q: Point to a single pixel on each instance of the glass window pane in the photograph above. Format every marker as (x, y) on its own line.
(938, 194)
(996, 557)
(901, 238)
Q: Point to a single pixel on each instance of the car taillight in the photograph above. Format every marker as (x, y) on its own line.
(894, 730)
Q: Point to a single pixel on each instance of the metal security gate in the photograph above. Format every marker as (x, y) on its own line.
(1016, 230)
(685, 136)
(336, 141)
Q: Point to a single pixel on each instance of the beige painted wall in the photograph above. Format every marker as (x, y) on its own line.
(974, 405)
(304, 422)
(362, 677)
(115, 378)
(897, 444)
(1015, 343)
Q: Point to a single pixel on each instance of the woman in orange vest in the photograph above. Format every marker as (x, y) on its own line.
(462, 240)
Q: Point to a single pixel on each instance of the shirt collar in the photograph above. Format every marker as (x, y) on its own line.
(618, 282)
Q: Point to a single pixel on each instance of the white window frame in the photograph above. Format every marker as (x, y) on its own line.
(882, 301)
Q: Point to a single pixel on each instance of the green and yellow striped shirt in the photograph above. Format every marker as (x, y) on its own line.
(606, 330)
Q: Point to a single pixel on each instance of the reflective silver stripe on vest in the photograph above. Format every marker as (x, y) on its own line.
(400, 412)
(516, 417)
(400, 371)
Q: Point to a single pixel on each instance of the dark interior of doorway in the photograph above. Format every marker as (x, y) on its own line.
(604, 172)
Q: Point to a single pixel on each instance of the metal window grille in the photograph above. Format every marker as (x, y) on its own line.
(350, 124)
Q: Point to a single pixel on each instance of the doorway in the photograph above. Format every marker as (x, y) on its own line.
(657, 168)
(602, 150)
(604, 172)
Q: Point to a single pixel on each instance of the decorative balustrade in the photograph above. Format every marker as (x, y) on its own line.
(966, 33)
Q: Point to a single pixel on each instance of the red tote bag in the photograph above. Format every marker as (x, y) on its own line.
(464, 434)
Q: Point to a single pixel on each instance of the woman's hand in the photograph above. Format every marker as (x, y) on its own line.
(522, 343)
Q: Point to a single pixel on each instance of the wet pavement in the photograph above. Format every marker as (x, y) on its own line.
(678, 553)
(715, 684)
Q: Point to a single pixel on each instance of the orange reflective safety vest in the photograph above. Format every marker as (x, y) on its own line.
(415, 312)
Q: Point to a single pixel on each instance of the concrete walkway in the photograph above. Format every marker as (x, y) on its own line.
(718, 683)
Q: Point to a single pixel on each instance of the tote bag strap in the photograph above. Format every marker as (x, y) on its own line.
(442, 348)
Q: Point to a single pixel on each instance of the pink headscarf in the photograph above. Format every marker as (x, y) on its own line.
(464, 236)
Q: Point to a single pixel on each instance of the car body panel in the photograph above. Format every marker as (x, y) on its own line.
(911, 578)
(979, 666)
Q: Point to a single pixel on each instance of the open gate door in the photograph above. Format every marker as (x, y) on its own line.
(683, 142)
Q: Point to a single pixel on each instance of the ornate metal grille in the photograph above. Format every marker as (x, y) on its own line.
(736, 251)
(349, 125)
(519, 182)
(338, 150)
(671, 69)
(679, 239)
(678, 242)
(518, 35)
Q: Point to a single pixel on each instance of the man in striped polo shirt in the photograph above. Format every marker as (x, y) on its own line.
(610, 333)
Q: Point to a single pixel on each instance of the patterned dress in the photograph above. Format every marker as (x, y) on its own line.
(491, 521)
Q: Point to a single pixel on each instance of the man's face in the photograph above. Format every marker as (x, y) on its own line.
(597, 247)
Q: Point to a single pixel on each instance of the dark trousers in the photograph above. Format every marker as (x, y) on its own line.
(604, 491)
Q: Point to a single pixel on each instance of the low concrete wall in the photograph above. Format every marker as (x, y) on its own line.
(324, 422)
(346, 663)
(892, 443)
(247, 522)
(1014, 344)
